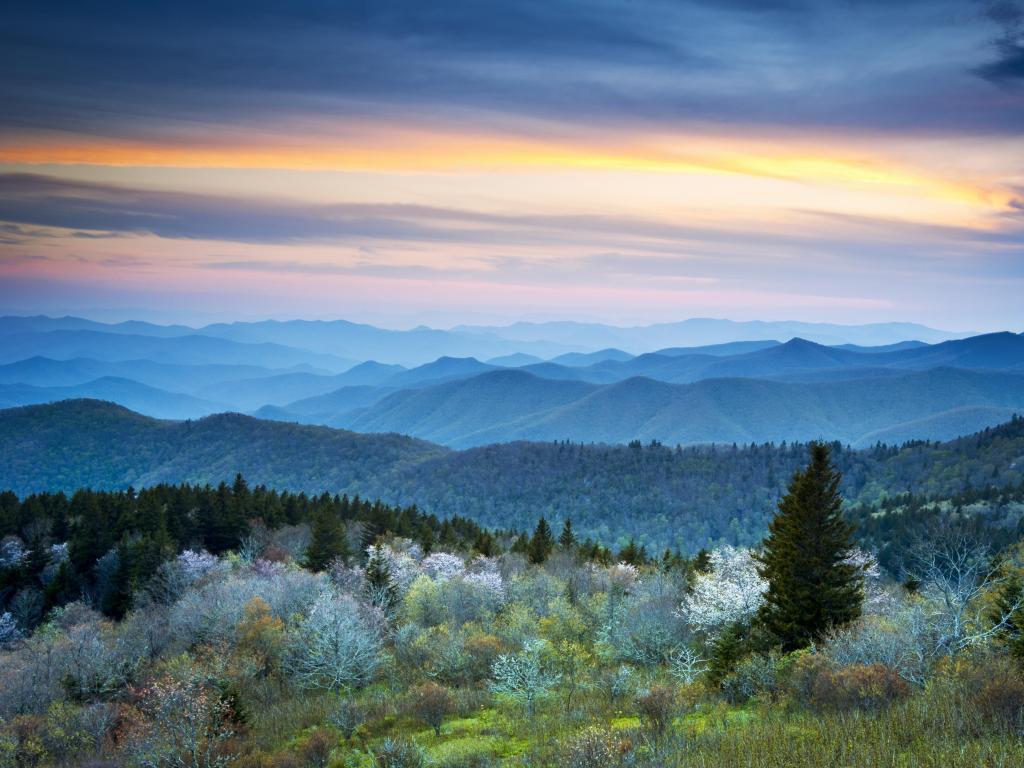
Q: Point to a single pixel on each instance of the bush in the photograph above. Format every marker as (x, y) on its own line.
(431, 703)
(315, 750)
(399, 753)
(862, 686)
(754, 676)
(481, 651)
(596, 748)
(995, 690)
(657, 707)
(804, 669)
(346, 717)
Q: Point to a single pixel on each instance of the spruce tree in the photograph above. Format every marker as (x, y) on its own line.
(379, 583)
(327, 540)
(811, 587)
(541, 543)
(567, 539)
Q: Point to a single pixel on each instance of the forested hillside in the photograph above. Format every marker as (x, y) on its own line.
(680, 497)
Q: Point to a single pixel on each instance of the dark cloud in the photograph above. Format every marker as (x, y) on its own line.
(1008, 66)
(159, 68)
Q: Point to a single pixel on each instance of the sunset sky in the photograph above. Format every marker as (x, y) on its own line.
(450, 161)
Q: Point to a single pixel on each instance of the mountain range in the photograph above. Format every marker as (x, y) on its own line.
(739, 390)
(685, 497)
(346, 341)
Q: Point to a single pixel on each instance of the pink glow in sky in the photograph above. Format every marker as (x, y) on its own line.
(620, 162)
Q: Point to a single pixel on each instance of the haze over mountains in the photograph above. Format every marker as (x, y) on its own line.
(712, 381)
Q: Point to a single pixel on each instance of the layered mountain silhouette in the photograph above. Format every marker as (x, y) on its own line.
(739, 390)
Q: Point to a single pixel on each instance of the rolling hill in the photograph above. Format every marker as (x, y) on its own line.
(182, 350)
(89, 443)
(688, 497)
(46, 372)
(131, 394)
(514, 405)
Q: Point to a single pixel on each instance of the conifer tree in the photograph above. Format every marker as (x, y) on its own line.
(485, 544)
(542, 542)
(379, 583)
(327, 540)
(702, 561)
(567, 539)
(811, 587)
(521, 545)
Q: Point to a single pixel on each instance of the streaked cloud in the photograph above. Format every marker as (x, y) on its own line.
(651, 156)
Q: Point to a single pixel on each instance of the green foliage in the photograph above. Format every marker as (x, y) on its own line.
(811, 587)
(328, 540)
(541, 543)
(116, 540)
(381, 587)
(685, 498)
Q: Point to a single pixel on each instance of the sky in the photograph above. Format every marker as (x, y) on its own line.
(405, 162)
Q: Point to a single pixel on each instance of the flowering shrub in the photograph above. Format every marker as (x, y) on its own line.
(12, 552)
(442, 566)
(730, 593)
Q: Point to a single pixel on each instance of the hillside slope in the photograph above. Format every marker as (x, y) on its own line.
(686, 497)
(513, 405)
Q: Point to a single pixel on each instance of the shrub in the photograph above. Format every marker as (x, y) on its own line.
(656, 707)
(862, 686)
(399, 753)
(432, 703)
(347, 716)
(618, 683)
(481, 651)
(995, 690)
(596, 748)
(804, 669)
(315, 750)
(755, 675)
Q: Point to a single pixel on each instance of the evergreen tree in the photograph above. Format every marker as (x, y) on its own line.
(811, 587)
(567, 539)
(633, 554)
(485, 544)
(327, 540)
(541, 543)
(521, 545)
(1008, 616)
(702, 561)
(379, 583)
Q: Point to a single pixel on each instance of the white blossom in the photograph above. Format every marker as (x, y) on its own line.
(197, 565)
(402, 562)
(489, 582)
(13, 552)
(442, 566)
(623, 576)
(731, 591)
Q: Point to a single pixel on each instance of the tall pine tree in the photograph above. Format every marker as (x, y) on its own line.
(541, 544)
(811, 587)
(380, 586)
(328, 540)
(567, 539)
